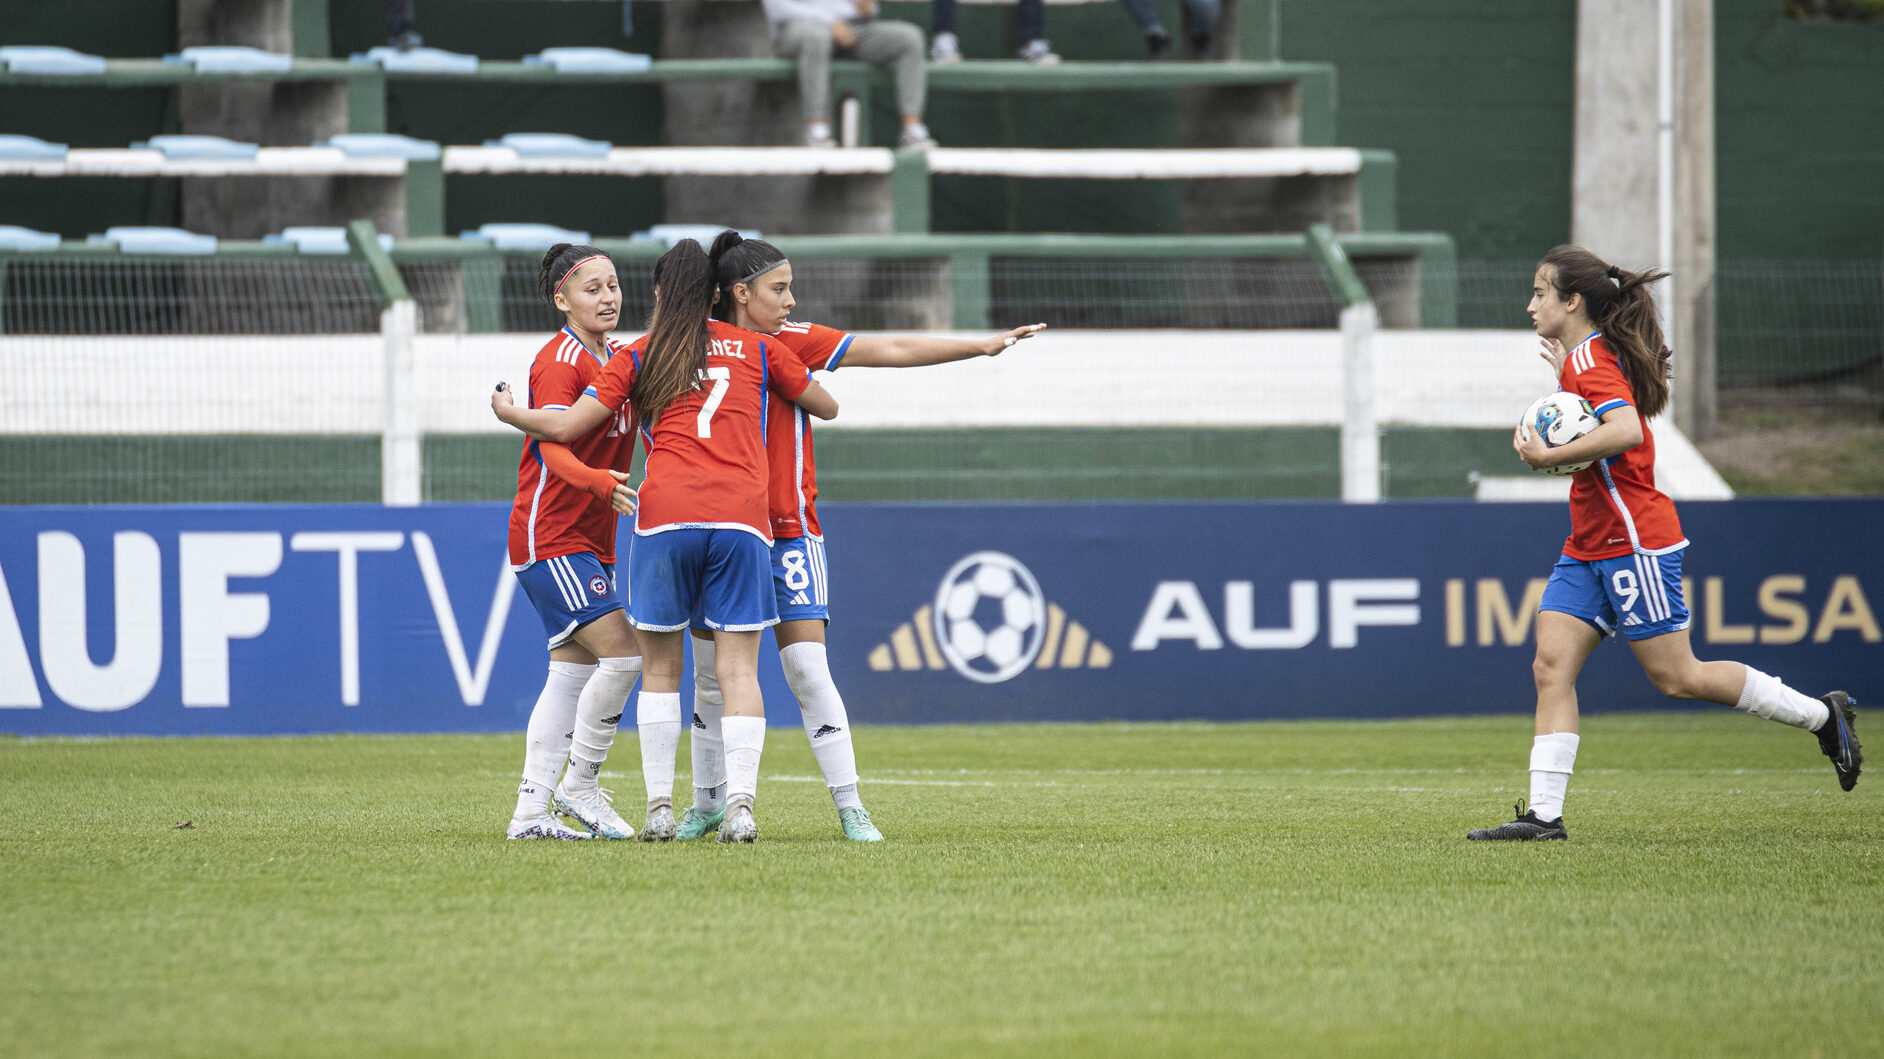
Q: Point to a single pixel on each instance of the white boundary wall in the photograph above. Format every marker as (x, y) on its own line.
(332, 384)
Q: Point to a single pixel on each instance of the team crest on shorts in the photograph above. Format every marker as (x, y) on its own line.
(598, 586)
(990, 622)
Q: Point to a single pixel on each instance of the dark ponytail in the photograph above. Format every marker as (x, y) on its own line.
(1620, 305)
(558, 263)
(676, 352)
(735, 259)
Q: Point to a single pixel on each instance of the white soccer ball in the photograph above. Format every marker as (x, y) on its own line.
(990, 617)
(1559, 418)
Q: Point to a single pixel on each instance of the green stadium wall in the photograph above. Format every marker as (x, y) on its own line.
(1473, 96)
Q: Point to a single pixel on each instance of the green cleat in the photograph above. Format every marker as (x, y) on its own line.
(698, 823)
(857, 825)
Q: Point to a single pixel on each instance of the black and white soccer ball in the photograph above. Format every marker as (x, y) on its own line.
(1559, 418)
(990, 617)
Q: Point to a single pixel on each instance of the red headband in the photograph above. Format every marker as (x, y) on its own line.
(572, 271)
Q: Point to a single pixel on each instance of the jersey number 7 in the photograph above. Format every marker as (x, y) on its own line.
(721, 378)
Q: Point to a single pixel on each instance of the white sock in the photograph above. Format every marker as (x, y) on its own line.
(598, 711)
(1764, 696)
(657, 718)
(745, 742)
(546, 740)
(827, 725)
(709, 766)
(1553, 759)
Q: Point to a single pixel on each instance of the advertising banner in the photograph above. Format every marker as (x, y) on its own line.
(295, 619)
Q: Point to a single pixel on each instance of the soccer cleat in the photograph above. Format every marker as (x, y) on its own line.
(739, 826)
(546, 826)
(591, 806)
(696, 822)
(1526, 828)
(857, 825)
(1839, 740)
(660, 824)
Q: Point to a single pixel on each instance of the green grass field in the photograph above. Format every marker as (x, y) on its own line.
(1123, 890)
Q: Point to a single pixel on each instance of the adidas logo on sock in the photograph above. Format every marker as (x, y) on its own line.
(612, 720)
(698, 723)
(824, 731)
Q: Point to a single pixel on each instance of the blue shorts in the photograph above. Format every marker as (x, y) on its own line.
(1638, 595)
(569, 591)
(723, 572)
(799, 584)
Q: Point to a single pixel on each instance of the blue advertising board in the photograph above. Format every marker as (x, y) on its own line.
(291, 619)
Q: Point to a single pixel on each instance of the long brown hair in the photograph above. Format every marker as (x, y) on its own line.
(676, 353)
(1620, 305)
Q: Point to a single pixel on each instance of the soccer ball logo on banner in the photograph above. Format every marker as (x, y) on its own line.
(989, 621)
(990, 617)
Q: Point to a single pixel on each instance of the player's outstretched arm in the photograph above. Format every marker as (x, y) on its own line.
(919, 351)
(818, 401)
(1620, 431)
(604, 485)
(561, 425)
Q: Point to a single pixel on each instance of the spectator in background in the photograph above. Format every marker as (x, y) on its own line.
(401, 29)
(1204, 14)
(810, 32)
(1033, 33)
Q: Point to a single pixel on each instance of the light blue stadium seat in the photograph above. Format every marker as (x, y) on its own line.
(31, 149)
(383, 145)
(525, 236)
(199, 147)
(139, 240)
(590, 61)
(42, 59)
(227, 59)
(315, 240)
(418, 60)
(551, 145)
(13, 237)
(700, 233)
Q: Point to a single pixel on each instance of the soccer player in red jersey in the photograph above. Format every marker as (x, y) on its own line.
(562, 547)
(1621, 566)
(702, 525)
(755, 288)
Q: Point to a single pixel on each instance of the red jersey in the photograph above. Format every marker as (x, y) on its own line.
(1615, 508)
(706, 456)
(551, 517)
(794, 489)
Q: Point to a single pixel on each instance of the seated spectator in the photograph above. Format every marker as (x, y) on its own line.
(812, 31)
(947, 47)
(1204, 14)
(401, 31)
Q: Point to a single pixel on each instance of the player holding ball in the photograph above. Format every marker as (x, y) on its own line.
(1621, 566)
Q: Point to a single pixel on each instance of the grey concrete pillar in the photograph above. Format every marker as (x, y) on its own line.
(1617, 186)
(271, 113)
